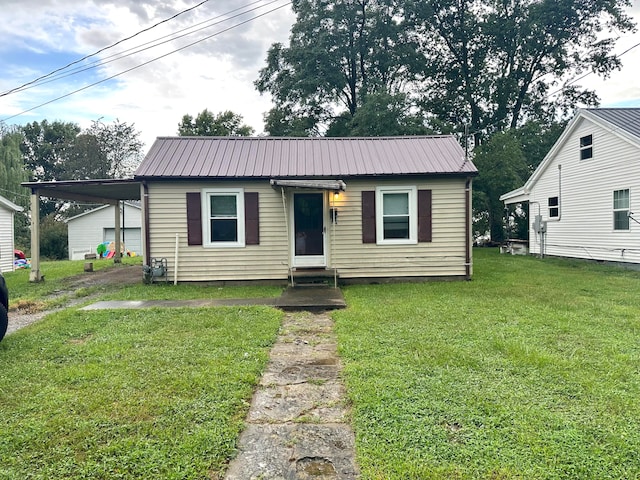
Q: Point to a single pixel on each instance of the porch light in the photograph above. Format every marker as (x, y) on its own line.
(336, 194)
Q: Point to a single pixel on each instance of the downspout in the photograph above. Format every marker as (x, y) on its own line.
(467, 228)
(286, 227)
(559, 192)
(147, 236)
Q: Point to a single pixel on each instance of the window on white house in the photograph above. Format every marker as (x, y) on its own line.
(396, 215)
(586, 147)
(554, 207)
(621, 210)
(223, 217)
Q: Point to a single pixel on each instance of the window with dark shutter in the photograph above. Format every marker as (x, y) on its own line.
(251, 218)
(424, 216)
(194, 218)
(368, 217)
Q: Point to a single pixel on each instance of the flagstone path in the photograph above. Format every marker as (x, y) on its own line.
(298, 424)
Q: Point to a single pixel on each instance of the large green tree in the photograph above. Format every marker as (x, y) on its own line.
(45, 148)
(208, 124)
(117, 144)
(502, 167)
(486, 64)
(339, 53)
(494, 64)
(12, 174)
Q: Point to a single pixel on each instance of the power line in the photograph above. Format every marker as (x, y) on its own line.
(86, 87)
(153, 43)
(566, 85)
(101, 50)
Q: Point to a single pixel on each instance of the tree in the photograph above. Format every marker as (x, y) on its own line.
(502, 167)
(207, 124)
(12, 174)
(493, 63)
(86, 159)
(117, 143)
(380, 115)
(486, 64)
(338, 53)
(45, 148)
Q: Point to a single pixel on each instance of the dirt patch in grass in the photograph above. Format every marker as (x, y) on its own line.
(72, 291)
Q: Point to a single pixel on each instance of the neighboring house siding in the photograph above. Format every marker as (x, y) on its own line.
(88, 230)
(585, 227)
(443, 256)
(6, 239)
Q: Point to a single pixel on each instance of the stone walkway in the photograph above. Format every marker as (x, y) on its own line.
(298, 423)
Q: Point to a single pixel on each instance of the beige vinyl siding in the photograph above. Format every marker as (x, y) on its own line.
(585, 228)
(6, 239)
(168, 217)
(444, 256)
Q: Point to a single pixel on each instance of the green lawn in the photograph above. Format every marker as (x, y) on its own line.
(531, 371)
(129, 394)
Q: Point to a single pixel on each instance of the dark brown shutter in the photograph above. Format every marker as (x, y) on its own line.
(251, 219)
(368, 217)
(424, 215)
(194, 219)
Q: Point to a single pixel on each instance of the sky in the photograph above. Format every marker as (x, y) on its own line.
(216, 73)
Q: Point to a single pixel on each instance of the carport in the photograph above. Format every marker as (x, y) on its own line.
(108, 192)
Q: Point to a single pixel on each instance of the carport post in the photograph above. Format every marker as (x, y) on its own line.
(117, 258)
(34, 274)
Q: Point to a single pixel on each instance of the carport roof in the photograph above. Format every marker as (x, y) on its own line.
(96, 191)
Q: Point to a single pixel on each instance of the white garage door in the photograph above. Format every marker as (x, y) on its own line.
(132, 238)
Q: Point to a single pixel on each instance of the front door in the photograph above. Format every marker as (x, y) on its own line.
(308, 230)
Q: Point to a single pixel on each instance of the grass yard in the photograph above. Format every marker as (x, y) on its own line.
(531, 370)
(129, 393)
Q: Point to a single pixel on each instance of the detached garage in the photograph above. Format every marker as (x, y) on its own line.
(91, 228)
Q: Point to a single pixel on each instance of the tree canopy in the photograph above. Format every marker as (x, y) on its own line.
(486, 64)
(207, 124)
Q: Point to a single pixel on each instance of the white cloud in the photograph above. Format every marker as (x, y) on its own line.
(217, 74)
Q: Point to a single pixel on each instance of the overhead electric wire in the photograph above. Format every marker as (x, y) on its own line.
(146, 63)
(153, 43)
(571, 82)
(102, 49)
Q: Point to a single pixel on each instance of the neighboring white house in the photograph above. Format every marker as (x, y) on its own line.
(91, 228)
(7, 213)
(583, 195)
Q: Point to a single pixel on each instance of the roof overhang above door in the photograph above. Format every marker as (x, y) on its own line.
(332, 185)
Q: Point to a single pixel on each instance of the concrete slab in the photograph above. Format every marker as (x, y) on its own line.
(293, 299)
(135, 304)
(315, 298)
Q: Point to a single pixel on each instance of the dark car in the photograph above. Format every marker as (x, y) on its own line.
(4, 307)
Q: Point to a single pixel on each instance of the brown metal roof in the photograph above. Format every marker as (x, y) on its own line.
(268, 157)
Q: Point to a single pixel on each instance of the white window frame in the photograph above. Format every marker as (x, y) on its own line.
(207, 193)
(586, 147)
(412, 192)
(627, 209)
(555, 207)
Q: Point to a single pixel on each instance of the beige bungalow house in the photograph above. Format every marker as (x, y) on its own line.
(270, 209)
